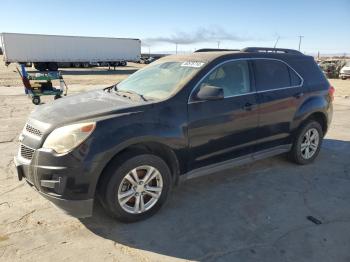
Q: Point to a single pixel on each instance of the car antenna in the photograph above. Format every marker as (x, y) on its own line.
(278, 38)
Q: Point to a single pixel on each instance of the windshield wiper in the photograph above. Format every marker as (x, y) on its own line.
(109, 88)
(132, 93)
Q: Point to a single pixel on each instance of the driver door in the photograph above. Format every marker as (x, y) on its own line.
(223, 129)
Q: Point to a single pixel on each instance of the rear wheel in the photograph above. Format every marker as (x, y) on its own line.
(136, 188)
(307, 143)
(57, 97)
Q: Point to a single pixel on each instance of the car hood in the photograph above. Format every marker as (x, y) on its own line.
(82, 106)
(345, 68)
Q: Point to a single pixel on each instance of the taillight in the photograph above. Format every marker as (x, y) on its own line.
(331, 92)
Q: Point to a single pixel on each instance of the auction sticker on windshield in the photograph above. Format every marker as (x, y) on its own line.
(192, 64)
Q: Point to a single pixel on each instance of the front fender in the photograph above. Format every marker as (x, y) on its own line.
(131, 132)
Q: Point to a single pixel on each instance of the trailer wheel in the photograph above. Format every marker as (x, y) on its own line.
(123, 63)
(36, 100)
(40, 66)
(86, 65)
(52, 66)
(76, 65)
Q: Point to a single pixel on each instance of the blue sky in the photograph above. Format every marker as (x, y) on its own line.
(325, 25)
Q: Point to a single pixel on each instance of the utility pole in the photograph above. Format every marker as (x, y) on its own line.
(300, 37)
(176, 48)
(218, 44)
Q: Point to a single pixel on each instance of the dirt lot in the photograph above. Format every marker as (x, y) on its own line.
(252, 213)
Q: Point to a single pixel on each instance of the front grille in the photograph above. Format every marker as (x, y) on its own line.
(346, 71)
(27, 152)
(33, 130)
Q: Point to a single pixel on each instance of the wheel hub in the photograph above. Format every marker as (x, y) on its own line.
(140, 188)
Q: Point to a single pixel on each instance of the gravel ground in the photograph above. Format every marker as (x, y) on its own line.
(251, 213)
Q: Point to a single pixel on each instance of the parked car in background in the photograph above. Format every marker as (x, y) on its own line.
(331, 67)
(180, 117)
(147, 60)
(345, 71)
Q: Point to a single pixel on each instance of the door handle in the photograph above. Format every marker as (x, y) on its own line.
(248, 107)
(298, 95)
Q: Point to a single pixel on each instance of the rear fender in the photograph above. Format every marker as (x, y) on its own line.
(310, 106)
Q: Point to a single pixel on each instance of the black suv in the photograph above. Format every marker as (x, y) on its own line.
(180, 117)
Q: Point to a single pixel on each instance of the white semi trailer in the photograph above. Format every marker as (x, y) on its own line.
(54, 51)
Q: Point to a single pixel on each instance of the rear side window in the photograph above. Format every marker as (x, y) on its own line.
(271, 74)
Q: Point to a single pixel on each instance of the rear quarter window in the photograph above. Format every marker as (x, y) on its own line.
(295, 80)
(309, 71)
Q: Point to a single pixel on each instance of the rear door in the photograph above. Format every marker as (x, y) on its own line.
(221, 130)
(279, 92)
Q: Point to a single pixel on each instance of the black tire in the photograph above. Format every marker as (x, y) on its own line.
(52, 66)
(115, 173)
(77, 65)
(36, 100)
(40, 66)
(57, 97)
(123, 63)
(296, 154)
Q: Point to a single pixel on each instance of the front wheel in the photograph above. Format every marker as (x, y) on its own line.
(137, 188)
(307, 143)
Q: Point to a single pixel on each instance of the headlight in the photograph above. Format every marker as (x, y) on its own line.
(66, 138)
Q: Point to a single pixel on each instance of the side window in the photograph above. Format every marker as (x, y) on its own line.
(233, 77)
(271, 74)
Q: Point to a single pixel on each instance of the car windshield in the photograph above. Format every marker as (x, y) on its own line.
(159, 80)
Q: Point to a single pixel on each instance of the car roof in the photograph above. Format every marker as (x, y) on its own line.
(255, 52)
(205, 57)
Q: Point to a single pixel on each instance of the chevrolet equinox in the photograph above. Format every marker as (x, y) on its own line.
(180, 117)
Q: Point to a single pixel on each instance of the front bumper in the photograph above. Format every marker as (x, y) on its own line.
(75, 208)
(60, 185)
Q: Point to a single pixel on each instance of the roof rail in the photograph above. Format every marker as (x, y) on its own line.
(213, 50)
(270, 50)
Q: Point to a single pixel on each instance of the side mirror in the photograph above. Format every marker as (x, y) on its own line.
(207, 92)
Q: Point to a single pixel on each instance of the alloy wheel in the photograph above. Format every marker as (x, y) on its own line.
(140, 189)
(310, 143)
